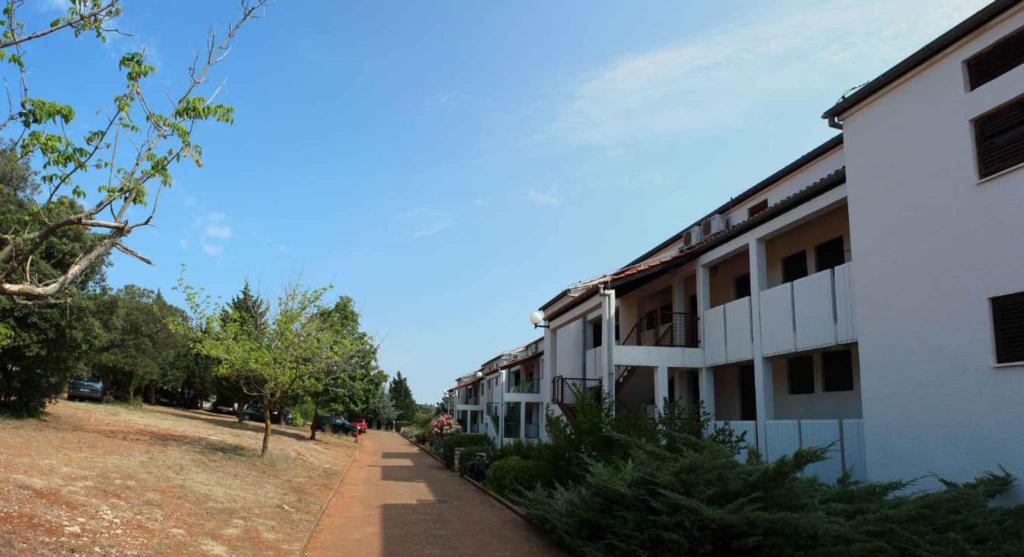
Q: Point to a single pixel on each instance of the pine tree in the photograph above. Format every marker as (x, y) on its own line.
(401, 395)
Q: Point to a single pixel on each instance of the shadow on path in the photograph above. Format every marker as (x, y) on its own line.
(395, 500)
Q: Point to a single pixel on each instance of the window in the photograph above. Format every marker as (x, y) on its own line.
(595, 333)
(801, 375)
(741, 286)
(757, 208)
(1008, 324)
(794, 267)
(829, 254)
(837, 370)
(999, 138)
(1003, 56)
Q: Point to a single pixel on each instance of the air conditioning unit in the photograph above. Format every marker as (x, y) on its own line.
(692, 236)
(713, 225)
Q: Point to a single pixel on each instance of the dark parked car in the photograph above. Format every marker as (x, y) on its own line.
(334, 424)
(87, 389)
(255, 413)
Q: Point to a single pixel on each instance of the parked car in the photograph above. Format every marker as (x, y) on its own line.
(254, 412)
(334, 424)
(359, 424)
(92, 388)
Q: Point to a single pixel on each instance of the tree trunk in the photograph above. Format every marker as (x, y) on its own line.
(266, 430)
(312, 426)
(240, 412)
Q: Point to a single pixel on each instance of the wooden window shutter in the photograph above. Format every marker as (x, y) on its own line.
(1003, 56)
(999, 136)
(1008, 324)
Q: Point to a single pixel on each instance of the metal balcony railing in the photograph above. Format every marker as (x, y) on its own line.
(566, 390)
(661, 329)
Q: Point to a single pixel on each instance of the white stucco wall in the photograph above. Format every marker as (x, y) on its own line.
(930, 246)
(569, 349)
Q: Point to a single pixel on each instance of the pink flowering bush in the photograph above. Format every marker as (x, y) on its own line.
(444, 425)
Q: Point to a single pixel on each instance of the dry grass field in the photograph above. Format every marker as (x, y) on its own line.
(91, 479)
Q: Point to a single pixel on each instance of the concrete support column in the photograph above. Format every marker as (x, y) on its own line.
(707, 375)
(547, 364)
(501, 407)
(660, 388)
(608, 312)
(522, 421)
(763, 373)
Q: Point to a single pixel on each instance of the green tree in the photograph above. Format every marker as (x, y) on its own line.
(401, 395)
(348, 371)
(275, 363)
(134, 347)
(42, 344)
(383, 409)
(129, 151)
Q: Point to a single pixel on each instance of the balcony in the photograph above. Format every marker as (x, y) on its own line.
(812, 312)
(530, 386)
(658, 329)
(728, 336)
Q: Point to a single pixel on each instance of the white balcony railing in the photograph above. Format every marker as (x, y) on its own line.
(813, 312)
(727, 333)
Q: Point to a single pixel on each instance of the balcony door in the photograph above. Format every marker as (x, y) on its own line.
(748, 400)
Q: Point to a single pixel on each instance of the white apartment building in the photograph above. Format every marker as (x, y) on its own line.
(503, 397)
(869, 294)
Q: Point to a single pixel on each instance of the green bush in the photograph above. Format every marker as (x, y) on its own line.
(454, 440)
(513, 474)
(468, 456)
(629, 489)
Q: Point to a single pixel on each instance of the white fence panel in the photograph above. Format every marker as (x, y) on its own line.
(714, 336)
(846, 323)
(739, 339)
(777, 334)
(853, 449)
(782, 438)
(812, 306)
(748, 428)
(821, 433)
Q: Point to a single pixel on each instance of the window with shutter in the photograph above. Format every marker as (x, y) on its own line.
(794, 266)
(829, 254)
(1008, 324)
(996, 60)
(837, 370)
(999, 137)
(757, 208)
(801, 375)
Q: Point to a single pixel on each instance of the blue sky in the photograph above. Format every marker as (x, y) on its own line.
(452, 165)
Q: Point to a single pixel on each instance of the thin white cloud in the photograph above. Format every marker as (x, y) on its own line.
(725, 77)
(220, 231)
(212, 249)
(441, 223)
(540, 198)
(213, 232)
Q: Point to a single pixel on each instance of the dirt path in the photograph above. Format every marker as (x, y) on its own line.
(395, 500)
